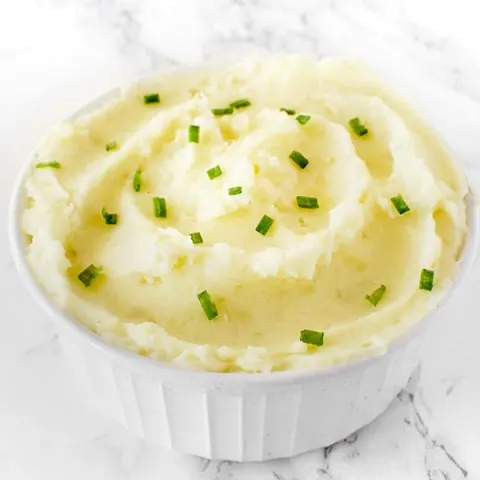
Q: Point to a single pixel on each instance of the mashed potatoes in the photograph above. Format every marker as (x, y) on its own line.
(122, 190)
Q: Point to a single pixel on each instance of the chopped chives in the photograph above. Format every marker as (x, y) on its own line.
(235, 190)
(194, 134)
(264, 224)
(214, 172)
(207, 304)
(288, 111)
(376, 295)
(222, 111)
(137, 180)
(151, 98)
(307, 202)
(303, 119)
(400, 204)
(89, 274)
(244, 102)
(357, 127)
(299, 159)
(159, 207)
(110, 218)
(47, 165)
(426, 279)
(196, 238)
(111, 146)
(312, 337)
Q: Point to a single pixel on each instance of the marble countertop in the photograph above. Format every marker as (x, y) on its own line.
(56, 54)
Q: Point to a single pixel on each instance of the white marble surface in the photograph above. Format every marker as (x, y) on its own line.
(55, 54)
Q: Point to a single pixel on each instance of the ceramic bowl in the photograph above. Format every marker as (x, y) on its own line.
(232, 416)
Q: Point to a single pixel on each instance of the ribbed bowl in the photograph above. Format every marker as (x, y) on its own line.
(236, 416)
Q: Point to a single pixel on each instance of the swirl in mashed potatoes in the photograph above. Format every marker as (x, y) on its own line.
(313, 267)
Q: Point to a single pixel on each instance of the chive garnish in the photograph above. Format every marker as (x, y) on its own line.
(196, 238)
(299, 159)
(244, 102)
(235, 190)
(288, 111)
(426, 279)
(312, 337)
(137, 180)
(376, 295)
(264, 224)
(357, 127)
(207, 304)
(194, 134)
(400, 204)
(111, 146)
(159, 207)
(110, 218)
(89, 274)
(214, 172)
(307, 202)
(47, 165)
(151, 98)
(303, 119)
(222, 111)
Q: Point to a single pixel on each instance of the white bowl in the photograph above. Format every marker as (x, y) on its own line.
(232, 416)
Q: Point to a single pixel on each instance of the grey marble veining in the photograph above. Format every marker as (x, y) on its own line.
(56, 54)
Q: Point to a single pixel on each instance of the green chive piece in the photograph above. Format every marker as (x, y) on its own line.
(207, 304)
(307, 202)
(194, 134)
(89, 274)
(303, 119)
(196, 238)
(235, 190)
(288, 111)
(222, 111)
(110, 218)
(47, 165)
(312, 337)
(299, 159)
(264, 224)
(214, 172)
(357, 127)
(151, 98)
(137, 180)
(244, 102)
(400, 204)
(111, 146)
(426, 280)
(159, 207)
(376, 295)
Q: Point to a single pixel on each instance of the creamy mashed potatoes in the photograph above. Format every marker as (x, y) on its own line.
(139, 160)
